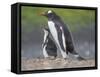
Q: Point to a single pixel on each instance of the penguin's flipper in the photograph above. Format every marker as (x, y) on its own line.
(47, 29)
(48, 45)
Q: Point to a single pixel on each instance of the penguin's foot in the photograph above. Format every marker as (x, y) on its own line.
(65, 58)
(80, 58)
(51, 58)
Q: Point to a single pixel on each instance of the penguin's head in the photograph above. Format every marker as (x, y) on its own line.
(49, 14)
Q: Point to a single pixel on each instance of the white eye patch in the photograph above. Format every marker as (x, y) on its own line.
(49, 11)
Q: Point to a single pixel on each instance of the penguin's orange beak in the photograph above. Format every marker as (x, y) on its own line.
(42, 14)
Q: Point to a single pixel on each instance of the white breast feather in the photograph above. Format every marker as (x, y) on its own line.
(53, 31)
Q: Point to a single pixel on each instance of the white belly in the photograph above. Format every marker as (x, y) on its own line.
(55, 36)
(53, 32)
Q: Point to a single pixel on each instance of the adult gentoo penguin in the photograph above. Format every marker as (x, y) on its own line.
(61, 34)
(49, 47)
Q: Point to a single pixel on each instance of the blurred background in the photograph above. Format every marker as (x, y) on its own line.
(81, 24)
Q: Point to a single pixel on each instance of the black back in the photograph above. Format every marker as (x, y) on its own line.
(68, 37)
